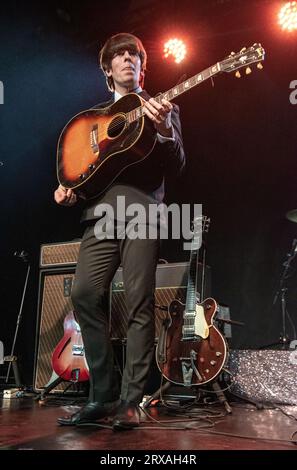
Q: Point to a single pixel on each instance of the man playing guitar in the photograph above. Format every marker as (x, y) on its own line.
(123, 61)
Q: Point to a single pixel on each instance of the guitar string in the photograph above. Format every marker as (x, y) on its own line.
(193, 81)
(194, 262)
(139, 109)
(119, 121)
(170, 95)
(185, 345)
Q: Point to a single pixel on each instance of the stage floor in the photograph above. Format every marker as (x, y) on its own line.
(26, 424)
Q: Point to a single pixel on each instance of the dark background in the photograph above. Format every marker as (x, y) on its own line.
(239, 136)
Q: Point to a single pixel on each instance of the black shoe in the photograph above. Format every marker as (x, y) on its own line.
(127, 416)
(90, 413)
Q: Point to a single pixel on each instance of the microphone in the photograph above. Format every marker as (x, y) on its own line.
(22, 255)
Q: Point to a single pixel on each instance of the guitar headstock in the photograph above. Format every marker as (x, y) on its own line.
(201, 224)
(243, 58)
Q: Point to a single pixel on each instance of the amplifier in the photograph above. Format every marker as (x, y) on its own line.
(53, 305)
(171, 283)
(54, 255)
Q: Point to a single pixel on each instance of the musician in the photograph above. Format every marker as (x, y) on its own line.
(123, 61)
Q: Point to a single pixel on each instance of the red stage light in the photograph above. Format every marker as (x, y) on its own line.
(175, 48)
(288, 16)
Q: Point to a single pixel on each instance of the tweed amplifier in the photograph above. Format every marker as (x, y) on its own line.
(53, 305)
(53, 255)
(171, 283)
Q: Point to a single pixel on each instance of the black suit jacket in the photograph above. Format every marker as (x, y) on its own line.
(144, 182)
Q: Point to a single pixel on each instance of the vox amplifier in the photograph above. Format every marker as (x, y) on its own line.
(171, 283)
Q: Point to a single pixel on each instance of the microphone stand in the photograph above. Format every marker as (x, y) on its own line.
(23, 256)
(284, 339)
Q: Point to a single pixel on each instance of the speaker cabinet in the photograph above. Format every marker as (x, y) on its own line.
(171, 283)
(54, 304)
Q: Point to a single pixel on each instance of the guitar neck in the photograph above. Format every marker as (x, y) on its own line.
(190, 83)
(191, 298)
(178, 90)
(193, 269)
(201, 225)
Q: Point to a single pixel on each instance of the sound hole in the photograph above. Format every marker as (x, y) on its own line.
(116, 126)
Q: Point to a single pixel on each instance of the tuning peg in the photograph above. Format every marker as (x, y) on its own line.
(259, 66)
(237, 74)
(248, 70)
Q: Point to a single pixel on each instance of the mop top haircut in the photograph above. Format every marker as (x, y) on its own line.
(114, 45)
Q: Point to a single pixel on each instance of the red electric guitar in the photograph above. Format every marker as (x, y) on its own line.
(98, 144)
(68, 359)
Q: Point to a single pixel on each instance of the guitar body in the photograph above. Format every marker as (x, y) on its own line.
(179, 359)
(68, 359)
(98, 144)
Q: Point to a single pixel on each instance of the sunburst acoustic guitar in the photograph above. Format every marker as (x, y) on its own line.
(98, 144)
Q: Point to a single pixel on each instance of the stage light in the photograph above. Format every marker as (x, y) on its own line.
(175, 48)
(288, 16)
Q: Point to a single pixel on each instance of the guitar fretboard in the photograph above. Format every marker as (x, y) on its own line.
(191, 298)
(177, 90)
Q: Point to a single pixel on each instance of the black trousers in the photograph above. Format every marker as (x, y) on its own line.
(98, 260)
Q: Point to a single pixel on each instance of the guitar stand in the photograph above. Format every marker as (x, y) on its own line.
(215, 386)
(48, 388)
(156, 395)
(161, 355)
(221, 396)
(258, 405)
(54, 381)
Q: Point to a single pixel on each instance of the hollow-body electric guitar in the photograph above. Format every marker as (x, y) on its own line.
(192, 351)
(96, 145)
(68, 359)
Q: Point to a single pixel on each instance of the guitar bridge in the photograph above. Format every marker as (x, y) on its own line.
(94, 139)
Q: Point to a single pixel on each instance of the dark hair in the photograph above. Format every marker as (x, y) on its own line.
(116, 43)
